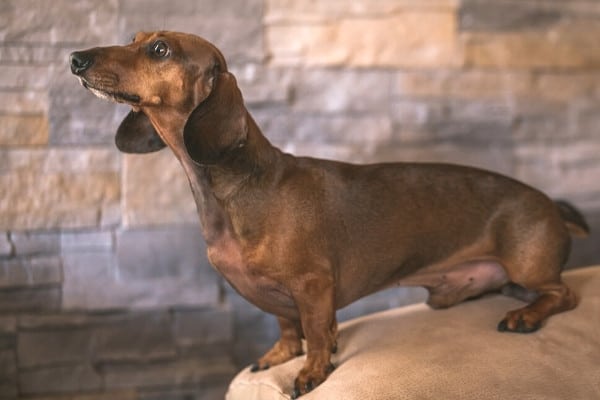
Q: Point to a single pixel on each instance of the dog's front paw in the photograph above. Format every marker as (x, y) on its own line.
(310, 378)
(280, 353)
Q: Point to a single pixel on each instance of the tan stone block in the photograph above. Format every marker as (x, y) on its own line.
(156, 191)
(567, 87)
(571, 44)
(328, 10)
(30, 101)
(57, 188)
(407, 39)
(470, 84)
(24, 129)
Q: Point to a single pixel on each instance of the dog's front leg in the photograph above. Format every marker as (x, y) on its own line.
(287, 347)
(316, 305)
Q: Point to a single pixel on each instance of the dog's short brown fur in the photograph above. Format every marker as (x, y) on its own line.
(302, 237)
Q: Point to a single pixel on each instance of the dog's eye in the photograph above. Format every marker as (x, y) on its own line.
(160, 49)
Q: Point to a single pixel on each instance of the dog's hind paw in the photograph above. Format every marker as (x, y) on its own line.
(515, 322)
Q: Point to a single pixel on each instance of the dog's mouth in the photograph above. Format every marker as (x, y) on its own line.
(119, 97)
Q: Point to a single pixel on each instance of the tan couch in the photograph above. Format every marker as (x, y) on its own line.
(415, 352)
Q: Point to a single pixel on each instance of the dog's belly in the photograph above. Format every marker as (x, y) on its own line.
(451, 284)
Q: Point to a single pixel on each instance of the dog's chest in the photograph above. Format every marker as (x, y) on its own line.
(250, 280)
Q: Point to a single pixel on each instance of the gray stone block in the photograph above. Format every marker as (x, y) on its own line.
(8, 374)
(6, 246)
(334, 91)
(22, 300)
(172, 259)
(169, 373)
(27, 272)
(56, 321)
(78, 117)
(487, 16)
(59, 379)
(34, 243)
(45, 348)
(134, 337)
(206, 326)
(64, 22)
(239, 38)
(93, 281)
(86, 241)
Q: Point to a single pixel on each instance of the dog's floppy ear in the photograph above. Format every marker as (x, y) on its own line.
(137, 135)
(218, 125)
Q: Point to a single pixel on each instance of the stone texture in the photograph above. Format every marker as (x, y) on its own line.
(563, 88)
(23, 129)
(8, 374)
(202, 392)
(35, 243)
(44, 348)
(29, 272)
(27, 300)
(29, 21)
(174, 373)
(112, 395)
(561, 168)
(469, 84)
(59, 379)
(311, 11)
(156, 191)
(478, 15)
(159, 268)
(201, 327)
(568, 45)
(242, 44)
(24, 102)
(6, 246)
(349, 91)
(428, 40)
(138, 337)
(78, 117)
(91, 282)
(86, 241)
(57, 188)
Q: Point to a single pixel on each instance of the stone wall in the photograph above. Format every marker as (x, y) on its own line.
(105, 291)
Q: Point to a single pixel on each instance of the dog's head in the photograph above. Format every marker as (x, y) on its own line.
(175, 83)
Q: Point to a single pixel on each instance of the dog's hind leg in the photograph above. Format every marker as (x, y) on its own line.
(536, 265)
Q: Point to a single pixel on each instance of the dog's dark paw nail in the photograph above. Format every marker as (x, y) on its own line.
(503, 326)
(254, 368)
(330, 368)
(334, 349)
(266, 366)
(521, 326)
(295, 394)
(309, 386)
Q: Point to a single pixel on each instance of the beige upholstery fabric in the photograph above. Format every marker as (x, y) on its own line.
(418, 353)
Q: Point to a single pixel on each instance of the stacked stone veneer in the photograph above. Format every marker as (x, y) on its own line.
(105, 291)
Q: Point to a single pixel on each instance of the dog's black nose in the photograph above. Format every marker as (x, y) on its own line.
(80, 61)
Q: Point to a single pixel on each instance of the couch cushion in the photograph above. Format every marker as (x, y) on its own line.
(415, 352)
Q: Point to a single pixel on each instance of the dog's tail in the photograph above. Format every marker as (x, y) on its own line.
(575, 222)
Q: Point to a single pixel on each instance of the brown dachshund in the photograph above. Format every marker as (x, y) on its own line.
(301, 237)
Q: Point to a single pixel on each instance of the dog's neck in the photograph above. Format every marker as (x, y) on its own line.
(214, 187)
(249, 163)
